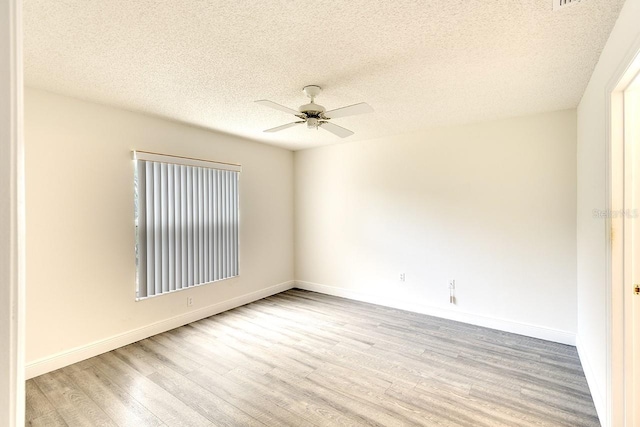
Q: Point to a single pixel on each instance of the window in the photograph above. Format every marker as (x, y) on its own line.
(186, 214)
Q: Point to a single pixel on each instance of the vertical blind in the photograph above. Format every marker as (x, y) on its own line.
(187, 218)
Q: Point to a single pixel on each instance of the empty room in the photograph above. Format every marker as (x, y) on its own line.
(332, 213)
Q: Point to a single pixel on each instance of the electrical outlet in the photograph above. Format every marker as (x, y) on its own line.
(403, 277)
(452, 291)
(189, 301)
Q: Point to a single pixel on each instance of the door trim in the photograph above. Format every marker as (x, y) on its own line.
(12, 285)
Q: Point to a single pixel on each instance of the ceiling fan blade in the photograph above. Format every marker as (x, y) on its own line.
(273, 105)
(288, 125)
(350, 110)
(335, 129)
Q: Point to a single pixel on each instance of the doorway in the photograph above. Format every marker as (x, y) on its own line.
(624, 215)
(631, 218)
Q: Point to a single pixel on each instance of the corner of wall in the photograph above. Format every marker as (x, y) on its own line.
(597, 394)
(68, 357)
(534, 331)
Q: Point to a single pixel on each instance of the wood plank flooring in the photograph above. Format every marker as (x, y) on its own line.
(304, 359)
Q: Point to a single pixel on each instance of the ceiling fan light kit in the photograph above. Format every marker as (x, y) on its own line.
(315, 115)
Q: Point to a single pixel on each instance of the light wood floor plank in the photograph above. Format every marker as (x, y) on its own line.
(169, 409)
(317, 411)
(52, 419)
(37, 404)
(208, 404)
(123, 409)
(250, 399)
(73, 405)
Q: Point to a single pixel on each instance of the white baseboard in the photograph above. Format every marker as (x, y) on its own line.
(598, 396)
(549, 334)
(65, 358)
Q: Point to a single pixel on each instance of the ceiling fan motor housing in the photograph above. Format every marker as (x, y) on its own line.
(312, 109)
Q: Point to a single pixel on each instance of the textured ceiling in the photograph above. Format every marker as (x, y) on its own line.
(417, 63)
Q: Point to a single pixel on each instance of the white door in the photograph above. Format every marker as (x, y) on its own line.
(631, 217)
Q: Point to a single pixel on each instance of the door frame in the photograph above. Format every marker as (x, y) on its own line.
(618, 317)
(12, 285)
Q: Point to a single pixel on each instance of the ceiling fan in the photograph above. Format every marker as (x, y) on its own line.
(315, 115)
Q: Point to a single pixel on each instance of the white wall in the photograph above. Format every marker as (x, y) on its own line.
(81, 270)
(591, 238)
(11, 217)
(491, 205)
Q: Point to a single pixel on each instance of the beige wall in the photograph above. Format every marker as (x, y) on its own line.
(80, 240)
(490, 205)
(592, 243)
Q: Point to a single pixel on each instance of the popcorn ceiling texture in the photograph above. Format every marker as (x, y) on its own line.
(418, 63)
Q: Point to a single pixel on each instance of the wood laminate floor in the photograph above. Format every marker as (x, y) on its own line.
(304, 359)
